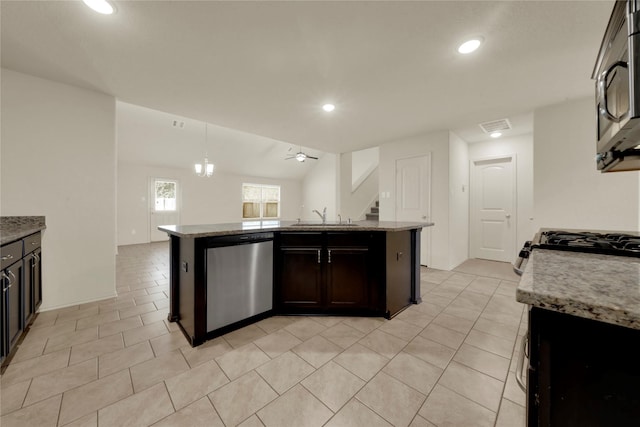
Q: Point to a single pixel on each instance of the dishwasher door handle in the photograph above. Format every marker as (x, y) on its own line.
(319, 258)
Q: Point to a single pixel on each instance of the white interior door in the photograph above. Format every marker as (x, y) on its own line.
(493, 209)
(164, 209)
(413, 197)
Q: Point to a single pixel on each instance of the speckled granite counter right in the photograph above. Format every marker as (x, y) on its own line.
(605, 288)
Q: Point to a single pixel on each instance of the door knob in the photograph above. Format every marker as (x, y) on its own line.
(424, 217)
(508, 216)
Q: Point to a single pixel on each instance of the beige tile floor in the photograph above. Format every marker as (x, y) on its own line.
(446, 362)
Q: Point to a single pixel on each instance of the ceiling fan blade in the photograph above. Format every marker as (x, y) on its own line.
(311, 157)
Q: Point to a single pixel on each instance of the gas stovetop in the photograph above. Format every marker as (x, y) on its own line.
(602, 243)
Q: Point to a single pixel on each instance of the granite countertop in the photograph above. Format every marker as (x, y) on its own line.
(14, 228)
(599, 287)
(209, 230)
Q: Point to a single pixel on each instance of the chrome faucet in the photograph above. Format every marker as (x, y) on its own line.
(322, 215)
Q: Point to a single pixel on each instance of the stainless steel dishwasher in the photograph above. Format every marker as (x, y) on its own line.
(239, 278)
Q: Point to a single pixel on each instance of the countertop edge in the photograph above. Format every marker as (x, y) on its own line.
(14, 228)
(289, 226)
(540, 287)
(619, 317)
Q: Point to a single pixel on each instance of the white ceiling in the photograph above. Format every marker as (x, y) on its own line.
(267, 67)
(147, 136)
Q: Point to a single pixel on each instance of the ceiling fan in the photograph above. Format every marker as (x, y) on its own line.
(299, 156)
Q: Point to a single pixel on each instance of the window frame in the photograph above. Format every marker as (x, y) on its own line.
(155, 194)
(261, 202)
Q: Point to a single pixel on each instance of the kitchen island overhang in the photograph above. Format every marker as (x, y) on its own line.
(364, 268)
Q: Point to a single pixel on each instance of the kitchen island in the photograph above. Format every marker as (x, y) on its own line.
(583, 339)
(225, 276)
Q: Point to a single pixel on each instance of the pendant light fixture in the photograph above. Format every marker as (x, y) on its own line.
(206, 169)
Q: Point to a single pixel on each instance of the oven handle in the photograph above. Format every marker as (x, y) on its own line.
(602, 86)
(524, 346)
(518, 268)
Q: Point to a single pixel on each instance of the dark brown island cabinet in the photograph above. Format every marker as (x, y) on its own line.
(362, 270)
(21, 284)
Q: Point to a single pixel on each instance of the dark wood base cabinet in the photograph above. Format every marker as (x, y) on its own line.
(326, 272)
(581, 372)
(359, 273)
(21, 285)
(351, 273)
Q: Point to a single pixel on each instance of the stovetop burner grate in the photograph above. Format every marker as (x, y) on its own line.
(603, 243)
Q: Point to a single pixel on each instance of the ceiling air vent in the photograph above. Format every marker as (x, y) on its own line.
(495, 126)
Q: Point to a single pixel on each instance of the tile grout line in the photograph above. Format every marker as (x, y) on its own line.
(448, 363)
(342, 350)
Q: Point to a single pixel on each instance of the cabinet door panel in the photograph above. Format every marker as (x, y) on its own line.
(29, 266)
(398, 271)
(300, 276)
(3, 319)
(13, 295)
(37, 280)
(347, 277)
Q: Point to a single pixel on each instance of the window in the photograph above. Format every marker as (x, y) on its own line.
(165, 195)
(260, 201)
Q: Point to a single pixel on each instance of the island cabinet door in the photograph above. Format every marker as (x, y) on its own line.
(300, 277)
(347, 277)
(348, 264)
(298, 271)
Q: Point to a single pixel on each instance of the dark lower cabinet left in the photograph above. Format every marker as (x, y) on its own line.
(581, 372)
(21, 285)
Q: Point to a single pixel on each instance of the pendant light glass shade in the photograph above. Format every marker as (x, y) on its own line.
(206, 169)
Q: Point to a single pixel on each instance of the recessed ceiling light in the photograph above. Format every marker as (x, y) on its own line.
(328, 107)
(470, 45)
(495, 134)
(100, 6)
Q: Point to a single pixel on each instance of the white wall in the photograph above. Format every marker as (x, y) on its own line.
(569, 192)
(203, 200)
(458, 200)
(522, 147)
(437, 144)
(58, 160)
(363, 162)
(320, 189)
(356, 203)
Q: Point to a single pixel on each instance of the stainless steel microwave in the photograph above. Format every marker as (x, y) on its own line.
(617, 77)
